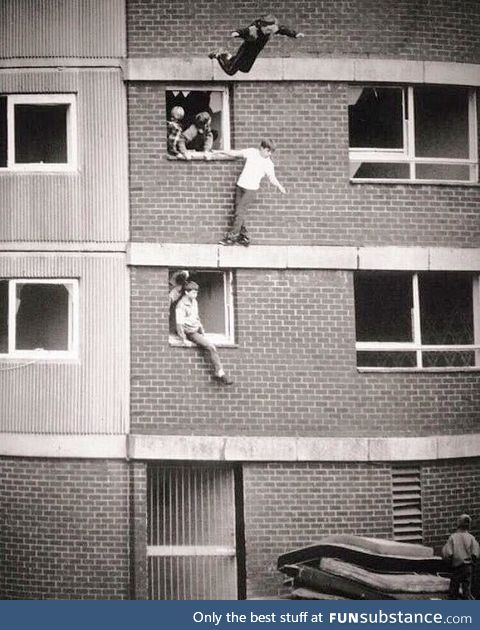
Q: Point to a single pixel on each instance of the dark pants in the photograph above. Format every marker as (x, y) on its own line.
(208, 346)
(243, 200)
(461, 576)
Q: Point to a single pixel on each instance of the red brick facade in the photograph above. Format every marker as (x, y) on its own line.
(405, 29)
(64, 529)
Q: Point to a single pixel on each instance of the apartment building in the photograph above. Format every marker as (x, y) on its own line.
(351, 325)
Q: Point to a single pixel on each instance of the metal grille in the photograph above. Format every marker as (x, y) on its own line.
(407, 504)
(191, 532)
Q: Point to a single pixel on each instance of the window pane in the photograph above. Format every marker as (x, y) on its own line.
(456, 172)
(378, 170)
(376, 118)
(383, 306)
(3, 131)
(3, 316)
(211, 300)
(42, 317)
(446, 308)
(449, 359)
(441, 122)
(387, 359)
(195, 101)
(41, 134)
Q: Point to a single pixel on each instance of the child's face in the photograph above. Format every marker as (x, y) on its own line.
(265, 152)
(269, 29)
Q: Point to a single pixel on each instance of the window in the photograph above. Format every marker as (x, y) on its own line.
(425, 320)
(193, 101)
(38, 132)
(38, 318)
(421, 133)
(215, 305)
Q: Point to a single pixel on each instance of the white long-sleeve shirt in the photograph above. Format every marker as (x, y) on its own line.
(255, 168)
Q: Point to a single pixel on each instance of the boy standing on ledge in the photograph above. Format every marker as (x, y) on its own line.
(258, 163)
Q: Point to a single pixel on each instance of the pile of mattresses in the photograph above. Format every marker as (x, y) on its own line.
(357, 567)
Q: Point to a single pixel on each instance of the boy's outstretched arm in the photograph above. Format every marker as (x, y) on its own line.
(276, 183)
(289, 32)
(231, 152)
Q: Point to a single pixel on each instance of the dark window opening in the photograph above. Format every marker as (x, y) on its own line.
(383, 307)
(195, 101)
(376, 118)
(42, 317)
(3, 131)
(41, 134)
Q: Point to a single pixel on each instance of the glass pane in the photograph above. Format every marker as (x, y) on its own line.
(211, 300)
(195, 101)
(441, 122)
(41, 134)
(3, 131)
(376, 118)
(383, 306)
(446, 308)
(379, 170)
(3, 316)
(458, 172)
(42, 317)
(387, 359)
(449, 359)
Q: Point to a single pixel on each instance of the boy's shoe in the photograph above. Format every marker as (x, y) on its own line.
(227, 240)
(224, 380)
(215, 54)
(243, 240)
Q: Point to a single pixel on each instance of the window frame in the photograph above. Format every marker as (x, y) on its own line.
(406, 155)
(225, 129)
(220, 340)
(72, 286)
(416, 344)
(71, 132)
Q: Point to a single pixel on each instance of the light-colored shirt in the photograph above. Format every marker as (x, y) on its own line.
(461, 548)
(186, 315)
(255, 168)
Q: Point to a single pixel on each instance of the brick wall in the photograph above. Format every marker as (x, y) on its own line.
(294, 368)
(450, 488)
(174, 201)
(293, 505)
(410, 29)
(64, 529)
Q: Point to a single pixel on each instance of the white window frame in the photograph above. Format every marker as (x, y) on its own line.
(73, 320)
(406, 155)
(417, 346)
(228, 339)
(71, 131)
(225, 145)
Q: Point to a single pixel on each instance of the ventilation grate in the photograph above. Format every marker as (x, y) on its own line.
(407, 504)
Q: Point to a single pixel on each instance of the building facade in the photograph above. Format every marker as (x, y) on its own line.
(351, 325)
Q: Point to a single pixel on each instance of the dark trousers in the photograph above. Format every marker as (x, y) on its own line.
(461, 576)
(243, 200)
(209, 347)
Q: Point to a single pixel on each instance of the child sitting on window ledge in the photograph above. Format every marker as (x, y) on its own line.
(190, 329)
(174, 130)
(198, 137)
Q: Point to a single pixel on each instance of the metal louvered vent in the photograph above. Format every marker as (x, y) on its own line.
(407, 504)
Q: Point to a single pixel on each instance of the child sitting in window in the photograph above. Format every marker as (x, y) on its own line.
(198, 137)
(174, 130)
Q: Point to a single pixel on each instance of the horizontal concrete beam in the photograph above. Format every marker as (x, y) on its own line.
(303, 257)
(304, 69)
(292, 449)
(63, 446)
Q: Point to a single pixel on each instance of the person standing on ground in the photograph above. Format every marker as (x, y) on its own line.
(191, 331)
(255, 37)
(462, 550)
(258, 163)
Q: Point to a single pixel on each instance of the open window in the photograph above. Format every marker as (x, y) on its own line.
(422, 133)
(425, 320)
(215, 303)
(38, 132)
(38, 318)
(193, 101)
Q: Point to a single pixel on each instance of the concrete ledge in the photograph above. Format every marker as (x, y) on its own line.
(303, 257)
(293, 449)
(350, 69)
(63, 446)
